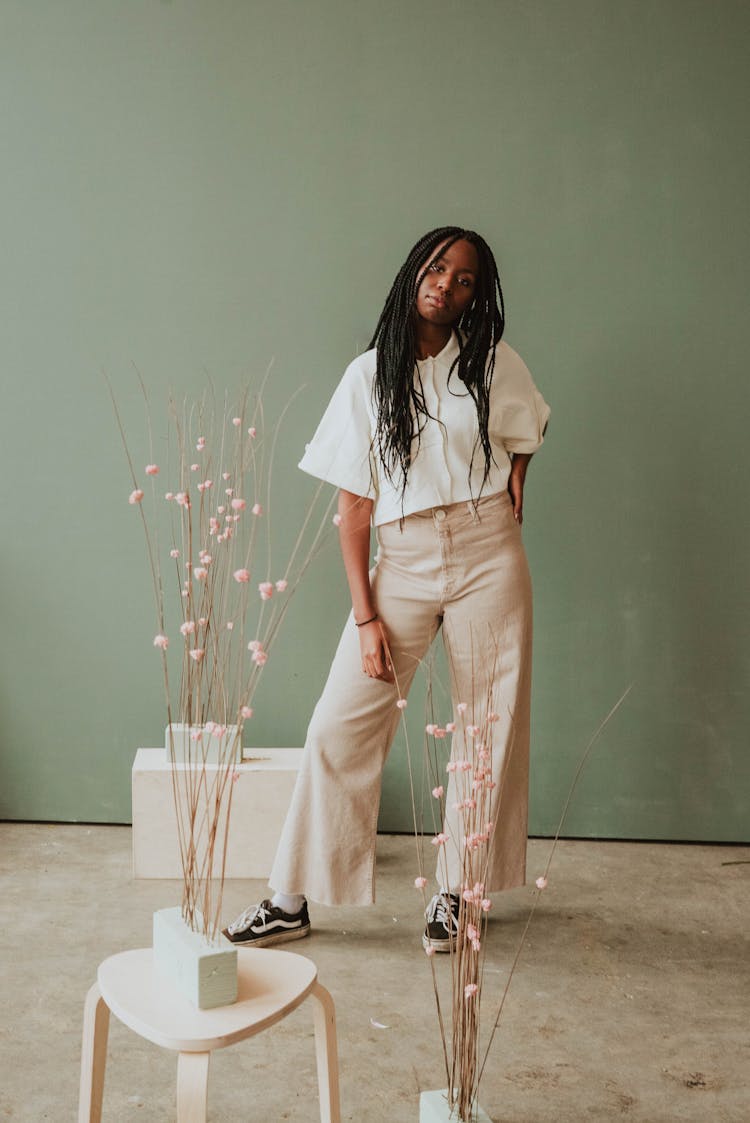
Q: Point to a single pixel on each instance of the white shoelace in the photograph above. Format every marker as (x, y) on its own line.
(246, 918)
(440, 909)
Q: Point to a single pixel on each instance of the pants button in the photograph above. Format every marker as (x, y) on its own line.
(439, 514)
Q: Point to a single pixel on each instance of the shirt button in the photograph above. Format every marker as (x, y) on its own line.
(439, 514)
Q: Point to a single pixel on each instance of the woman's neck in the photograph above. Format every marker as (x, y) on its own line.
(431, 339)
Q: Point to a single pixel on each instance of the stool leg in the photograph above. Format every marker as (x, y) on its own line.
(326, 1054)
(192, 1087)
(93, 1056)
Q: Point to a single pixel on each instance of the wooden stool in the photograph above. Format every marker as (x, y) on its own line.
(271, 985)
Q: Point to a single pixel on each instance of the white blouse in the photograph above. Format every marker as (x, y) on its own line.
(340, 451)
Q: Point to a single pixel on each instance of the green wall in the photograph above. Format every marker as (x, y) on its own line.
(197, 188)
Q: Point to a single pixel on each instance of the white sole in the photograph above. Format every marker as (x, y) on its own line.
(273, 938)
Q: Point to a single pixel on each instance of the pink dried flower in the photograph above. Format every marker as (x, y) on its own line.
(476, 944)
(464, 765)
(174, 553)
(266, 590)
(188, 627)
(182, 498)
(472, 730)
(225, 475)
(440, 733)
(420, 882)
(257, 509)
(200, 573)
(282, 585)
(260, 658)
(430, 729)
(152, 469)
(470, 990)
(429, 951)
(194, 467)
(255, 645)
(401, 703)
(462, 707)
(450, 727)
(486, 904)
(210, 726)
(135, 496)
(229, 491)
(438, 791)
(241, 576)
(246, 711)
(235, 776)
(252, 431)
(336, 520)
(440, 839)
(196, 734)
(451, 766)
(201, 444)
(236, 420)
(169, 495)
(230, 625)
(161, 641)
(541, 883)
(221, 510)
(202, 622)
(471, 931)
(492, 716)
(238, 504)
(197, 653)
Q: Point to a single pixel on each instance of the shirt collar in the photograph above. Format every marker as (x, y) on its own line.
(447, 355)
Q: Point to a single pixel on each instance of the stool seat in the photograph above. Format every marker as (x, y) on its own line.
(270, 985)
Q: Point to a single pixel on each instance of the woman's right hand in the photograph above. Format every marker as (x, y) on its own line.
(373, 646)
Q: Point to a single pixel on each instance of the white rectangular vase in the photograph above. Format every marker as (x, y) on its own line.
(433, 1108)
(205, 973)
(210, 748)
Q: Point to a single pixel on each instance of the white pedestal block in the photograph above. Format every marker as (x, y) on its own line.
(433, 1108)
(260, 800)
(205, 973)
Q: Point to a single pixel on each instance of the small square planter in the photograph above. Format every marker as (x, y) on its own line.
(210, 748)
(204, 972)
(433, 1108)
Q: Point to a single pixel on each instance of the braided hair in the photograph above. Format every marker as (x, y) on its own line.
(398, 396)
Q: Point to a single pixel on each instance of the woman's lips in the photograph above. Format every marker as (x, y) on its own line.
(438, 301)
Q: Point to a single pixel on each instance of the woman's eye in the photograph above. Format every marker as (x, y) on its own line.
(466, 281)
(436, 267)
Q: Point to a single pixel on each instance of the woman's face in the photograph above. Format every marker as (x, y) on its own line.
(448, 286)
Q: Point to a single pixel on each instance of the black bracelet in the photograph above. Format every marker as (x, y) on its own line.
(367, 621)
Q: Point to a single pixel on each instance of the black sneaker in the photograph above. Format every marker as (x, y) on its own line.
(265, 924)
(442, 922)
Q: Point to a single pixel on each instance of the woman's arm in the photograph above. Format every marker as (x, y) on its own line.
(519, 464)
(354, 537)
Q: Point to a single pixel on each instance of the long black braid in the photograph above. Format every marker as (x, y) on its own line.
(397, 394)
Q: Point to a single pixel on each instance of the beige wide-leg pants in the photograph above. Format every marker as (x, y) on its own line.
(462, 567)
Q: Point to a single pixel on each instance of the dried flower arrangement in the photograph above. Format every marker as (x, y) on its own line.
(218, 529)
(477, 804)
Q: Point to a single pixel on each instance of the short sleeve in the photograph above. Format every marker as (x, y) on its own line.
(340, 450)
(519, 413)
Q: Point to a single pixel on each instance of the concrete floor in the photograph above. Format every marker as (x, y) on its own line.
(630, 1000)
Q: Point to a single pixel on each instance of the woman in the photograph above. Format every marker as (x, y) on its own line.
(428, 438)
